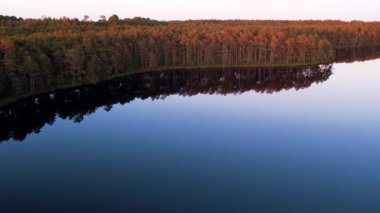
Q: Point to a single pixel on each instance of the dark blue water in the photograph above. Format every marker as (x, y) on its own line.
(309, 150)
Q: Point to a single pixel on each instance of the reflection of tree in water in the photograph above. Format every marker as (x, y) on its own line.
(27, 116)
(357, 54)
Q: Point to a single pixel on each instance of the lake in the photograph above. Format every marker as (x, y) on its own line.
(223, 140)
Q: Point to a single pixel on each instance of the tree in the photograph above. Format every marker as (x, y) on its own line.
(94, 68)
(114, 19)
(102, 18)
(325, 51)
(86, 18)
(31, 68)
(75, 59)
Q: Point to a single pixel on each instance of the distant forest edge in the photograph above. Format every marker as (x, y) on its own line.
(41, 55)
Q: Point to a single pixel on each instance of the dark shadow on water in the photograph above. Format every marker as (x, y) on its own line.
(28, 116)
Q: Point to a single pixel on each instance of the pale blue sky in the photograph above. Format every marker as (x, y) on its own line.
(197, 9)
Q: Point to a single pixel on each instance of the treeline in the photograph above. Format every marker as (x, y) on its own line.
(30, 115)
(43, 55)
(11, 25)
(9, 18)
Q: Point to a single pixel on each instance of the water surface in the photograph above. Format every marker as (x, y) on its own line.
(295, 140)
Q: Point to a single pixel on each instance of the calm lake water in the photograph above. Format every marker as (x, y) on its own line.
(293, 140)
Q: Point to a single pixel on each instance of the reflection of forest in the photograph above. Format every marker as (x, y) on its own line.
(27, 116)
(357, 54)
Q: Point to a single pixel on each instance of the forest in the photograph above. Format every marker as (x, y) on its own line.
(41, 55)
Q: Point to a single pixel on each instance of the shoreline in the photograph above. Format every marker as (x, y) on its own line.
(10, 101)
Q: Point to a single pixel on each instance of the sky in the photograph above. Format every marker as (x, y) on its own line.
(366, 10)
